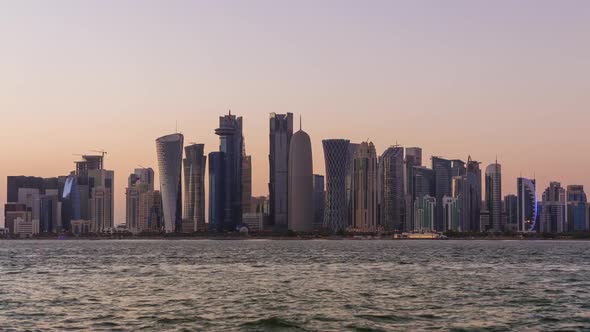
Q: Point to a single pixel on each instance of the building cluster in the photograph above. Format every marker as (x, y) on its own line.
(81, 202)
(361, 192)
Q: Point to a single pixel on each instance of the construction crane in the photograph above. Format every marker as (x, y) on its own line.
(103, 153)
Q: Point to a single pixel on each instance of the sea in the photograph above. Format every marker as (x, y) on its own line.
(294, 285)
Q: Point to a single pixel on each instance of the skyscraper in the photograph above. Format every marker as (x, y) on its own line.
(578, 215)
(247, 184)
(319, 201)
(393, 203)
(511, 212)
(216, 187)
(494, 196)
(336, 156)
(413, 159)
(281, 131)
(169, 151)
(442, 187)
(452, 213)
(472, 200)
(300, 183)
(194, 185)
(527, 205)
(352, 148)
(424, 209)
(364, 188)
(139, 185)
(231, 143)
(553, 217)
(101, 199)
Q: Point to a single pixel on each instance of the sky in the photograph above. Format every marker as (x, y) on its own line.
(483, 78)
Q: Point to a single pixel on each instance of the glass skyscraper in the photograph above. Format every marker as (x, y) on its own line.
(336, 154)
(281, 132)
(393, 204)
(494, 196)
(194, 185)
(442, 187)
(527, 205)
(169, 151)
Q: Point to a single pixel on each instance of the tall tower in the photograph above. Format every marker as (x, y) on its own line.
(232, 146)
(578, 215)
(442, 187)
(169, 151)
(494, 195)
(246, 184)
(527, 205)
(194, 185)
(336, 156)
(553, 217)
(393, 188)
(472, 199)
(281, 132)
(364, 188)
(300, 183)
(216, 187)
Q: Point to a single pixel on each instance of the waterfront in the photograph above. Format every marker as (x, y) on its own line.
(314, 285)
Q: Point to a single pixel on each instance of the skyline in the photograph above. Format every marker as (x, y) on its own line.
(517, 90)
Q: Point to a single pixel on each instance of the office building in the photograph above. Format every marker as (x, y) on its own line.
(25, 228)
(195, 163)
(442, 187)
(364, 188)
(473, 196)
(300, 209)
(30, 197)
(424, 210)
(393, 189)
(511, 213)
(494, 196)
(281, 132)
(169, 153)
(527, 205)
(14, 183)
(336, 154)
(13, 211)
(247, 184)
(231, 143)
(50, 212)
(578, 215)
(413, 159)
(452, 213)
(319, 201)
(553, 216)
(101, 184)
(150, 217)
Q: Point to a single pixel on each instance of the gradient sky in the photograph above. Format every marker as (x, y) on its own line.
(486, 78)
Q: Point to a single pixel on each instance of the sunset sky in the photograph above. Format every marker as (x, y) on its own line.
(486, 78)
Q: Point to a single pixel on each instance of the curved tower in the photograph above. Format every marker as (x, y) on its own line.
(336, 156)
(300, 186)
(527, 205)
(169, 150)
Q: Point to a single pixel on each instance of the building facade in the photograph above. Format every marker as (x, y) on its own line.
(364, 188)
(527, 205)
(169, 152)
(494, 196)
(195, 164)
(300, 209)
(393, 187)
(281, 132)
(336, 157)
(442, 187)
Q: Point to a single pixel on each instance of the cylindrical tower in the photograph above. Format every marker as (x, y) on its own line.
(169, 150)
(300, 183)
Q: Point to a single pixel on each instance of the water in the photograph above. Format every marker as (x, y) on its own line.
(294, 285)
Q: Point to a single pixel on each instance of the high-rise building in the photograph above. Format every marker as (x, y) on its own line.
(300, 184)
(140, 183)
(473, 196)
(578, 215)
(461, 194)
(442, 187)
(14, 183)
(247, 184)
(150, 212)
(216, 186)
(452, 213)
(511, 212)
(393, 195)
(13, 211)
(494, 196)
(336, 157)
(527, 205)
(413, 159)
(195, 163)
(231, 143)
(352, 148)
(458, 168)
(319, 201)
(50, 212)
(424, 210)
(30, 197)
(145, 176)
(364, 188)
(553, 218)
(281, 132)
(101, 199)
(169, 151)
